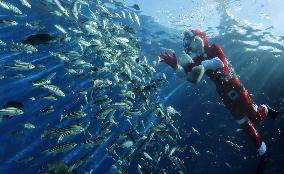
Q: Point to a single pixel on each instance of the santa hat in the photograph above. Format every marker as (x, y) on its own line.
(195, 32)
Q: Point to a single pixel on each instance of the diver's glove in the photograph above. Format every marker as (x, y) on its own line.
(169, 59)
(185, 60)
(196, 74)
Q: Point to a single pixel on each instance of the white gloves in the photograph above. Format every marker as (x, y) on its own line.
(196, 74)
(184, 59)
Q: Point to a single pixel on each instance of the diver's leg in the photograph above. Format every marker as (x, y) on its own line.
(250, 130)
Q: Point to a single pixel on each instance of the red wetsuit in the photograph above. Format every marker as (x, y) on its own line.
(233, 94)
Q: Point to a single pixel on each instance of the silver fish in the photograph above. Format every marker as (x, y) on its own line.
(26, 3)
(61, 147)
(54, 89)
(44, 81)
(10, 7)
(61, 8)
(10, 112)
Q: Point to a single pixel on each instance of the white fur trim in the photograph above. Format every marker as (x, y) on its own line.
(265, 109)
(193, 77)
(200, 40)
(242, 121)
(262, 149)
(179, 71)
(254, 107)
(212, 64)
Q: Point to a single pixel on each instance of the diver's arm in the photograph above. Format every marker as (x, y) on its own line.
(197, 72)
(179, 71)
(171, 60)
(212, 64)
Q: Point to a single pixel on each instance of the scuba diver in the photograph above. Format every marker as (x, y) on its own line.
(199, 58)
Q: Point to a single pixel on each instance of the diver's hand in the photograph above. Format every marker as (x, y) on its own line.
(169, 59)
(196, 74)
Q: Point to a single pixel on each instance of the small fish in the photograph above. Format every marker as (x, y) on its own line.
(101, 114)
(55, 90)
(234, 145)
(228, 165)
(2, 43)
(128, 94)
(28, 125)
(137, 19)
(60, 28)
(123, 14)
(124, 104)
(90, 143)
(75, 12)
(46, 110)
(10, 112)
(20, 65)
(44, 81)
(102, 83)
(4, 22)
(171, 110)
(26, 3)
(73, 114)
(147, 156)
(61, 147)
(167, 148)
(127, 144)
(49, 97)
(193, 150)
(10, 7)
(172, 151)
(133, 111)
(20, 47)
(195, 131)
(35, 26)
(150, 87)
(63, 132)
(70, 130)
(61, 8)
(61, 57)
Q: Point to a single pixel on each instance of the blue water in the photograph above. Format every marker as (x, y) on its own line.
(260, 70)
